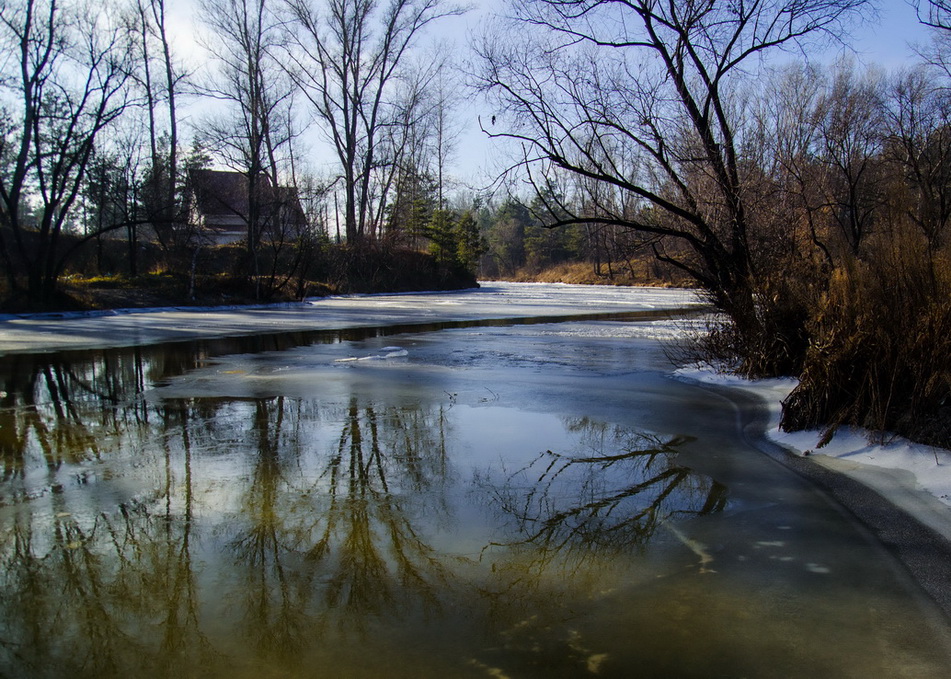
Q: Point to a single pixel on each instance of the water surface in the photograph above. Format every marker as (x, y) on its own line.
(489, 501)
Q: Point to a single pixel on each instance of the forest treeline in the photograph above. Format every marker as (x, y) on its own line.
(519, 243)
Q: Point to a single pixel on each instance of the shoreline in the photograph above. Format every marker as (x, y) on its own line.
(911, 523)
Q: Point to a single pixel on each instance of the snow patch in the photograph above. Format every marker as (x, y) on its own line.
(913, 476)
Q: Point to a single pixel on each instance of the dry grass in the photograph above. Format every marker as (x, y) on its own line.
(880, 355)
(645, 271)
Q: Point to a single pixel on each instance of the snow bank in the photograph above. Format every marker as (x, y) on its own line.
(913, 476)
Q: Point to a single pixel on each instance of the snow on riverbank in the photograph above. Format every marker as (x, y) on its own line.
(913, 476)
(493, 300)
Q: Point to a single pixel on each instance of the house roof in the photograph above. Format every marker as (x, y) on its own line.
(222, 197)
(219, 193)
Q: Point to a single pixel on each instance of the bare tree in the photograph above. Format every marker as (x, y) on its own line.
(851, 136)
(920, 124)
(442, 126)
(788, 113)
(934, 13)
(919, 141)
(349, 55)
(111, 193)
(64, 75)
(642, 98)
(416, 145)
(161, 80)
(258, 126)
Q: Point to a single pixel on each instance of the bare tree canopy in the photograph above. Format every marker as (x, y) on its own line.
(254, 132)
(934, 13)
(641, 102)
(63, 77)
(161, 80)
(350, 56)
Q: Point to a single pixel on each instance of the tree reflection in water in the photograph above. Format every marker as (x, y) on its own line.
(376, 479)
(183, 536)
(329, 540)
(327, 536)
(94, 588)
(607, 496)
(69, 412)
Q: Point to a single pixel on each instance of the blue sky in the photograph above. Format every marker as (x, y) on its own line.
(886, 42)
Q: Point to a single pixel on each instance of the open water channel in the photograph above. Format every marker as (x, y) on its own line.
(419, 493)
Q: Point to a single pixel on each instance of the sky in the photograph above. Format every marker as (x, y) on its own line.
(886, 42)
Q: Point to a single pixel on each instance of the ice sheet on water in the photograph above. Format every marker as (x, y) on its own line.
(386, 353)
(662, 330)
(492, 300)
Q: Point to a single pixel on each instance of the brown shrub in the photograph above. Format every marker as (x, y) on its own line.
(880, 352)
(772, 339)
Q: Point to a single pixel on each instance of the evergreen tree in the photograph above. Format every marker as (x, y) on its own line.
(470, 243)
(443, 240)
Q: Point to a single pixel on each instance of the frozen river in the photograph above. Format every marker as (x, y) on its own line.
(497, 301)
(495, 483)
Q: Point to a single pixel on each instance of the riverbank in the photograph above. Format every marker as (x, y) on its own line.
(639, 271)
(220, 277)
(899, 490)
(891, 464)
